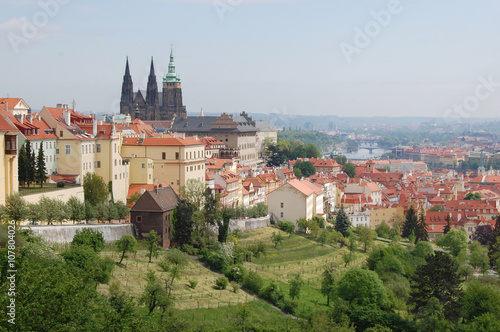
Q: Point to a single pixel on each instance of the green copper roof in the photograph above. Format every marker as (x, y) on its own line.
(172, 76)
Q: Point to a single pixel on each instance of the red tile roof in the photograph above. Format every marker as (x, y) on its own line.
(160, 141)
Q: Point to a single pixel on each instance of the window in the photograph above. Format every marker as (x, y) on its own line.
(282, 204)
(115, 147)
(61, 133)
(93, 148)
(138, 218)
(143, 165)
(98, 164)
(163, 155)
(116, 177)
(191, 168)
(282, 214)
(98, 147)
(115, 162)
(68, 149)
(83, 149)
(177, 156)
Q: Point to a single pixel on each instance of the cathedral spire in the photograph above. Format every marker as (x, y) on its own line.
(127, 70)
(152, 88)
(127, 97)
(152, 70)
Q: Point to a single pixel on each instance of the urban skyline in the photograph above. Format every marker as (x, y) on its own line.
(371, 58)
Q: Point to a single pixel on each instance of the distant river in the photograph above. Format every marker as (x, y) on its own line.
(364, 154)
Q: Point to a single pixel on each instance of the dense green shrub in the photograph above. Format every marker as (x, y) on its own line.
(221, 283)
(253, 282)
(236, 272)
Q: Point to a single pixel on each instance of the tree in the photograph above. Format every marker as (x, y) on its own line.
(193, 192)
(76, 209)
(423, 249)
(89, 237)
(35, 212)
(493, 247)
(87, 263)
(479, 256)
(421, 228)
(473, 196)
(155, 295)
(342, 160)
(90, 211)
(277, 238)
(447, 228)
(482, 234)
(362, 288)
(227, 214)
(122, 210)
(342, 222)
(328, 283)
(54, 210)
(210, 207)
(182, 225)
(286, 226)
(349, 169)
(439, 279)
(30, 164)
(366, 236)
(22, 165)
(133, 198)
(152, 244)
(95, 189)
(16, 207)
(480, 299)
(383, 230)
(41, 169)
(296, 283)
(410, 223)
(126, 244)
(103, 212)
(306, 168)
(455, 241)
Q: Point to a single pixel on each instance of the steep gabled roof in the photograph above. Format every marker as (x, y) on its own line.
(305, 187)
(161, 199)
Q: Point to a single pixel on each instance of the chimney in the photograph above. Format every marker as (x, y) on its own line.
(31, 118)
(66, 117)
(94, 127)
(59, 105)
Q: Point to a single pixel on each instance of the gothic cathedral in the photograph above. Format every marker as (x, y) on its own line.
(151, 104)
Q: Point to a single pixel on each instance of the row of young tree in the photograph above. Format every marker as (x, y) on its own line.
(97, 204)
(51, 210)
(31, 168)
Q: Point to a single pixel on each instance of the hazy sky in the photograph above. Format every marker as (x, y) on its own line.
(347, 58)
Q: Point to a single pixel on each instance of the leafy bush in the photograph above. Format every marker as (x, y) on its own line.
(286, 226)
(189, 249)
(192, 283)
(221, 283)
(258, 249)
(253, 282)
(235, 286)
(383, 230)
(273, 293)
(176, 257)
(217, 260)
(289, 306)
(236, 272)
(89, 237)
